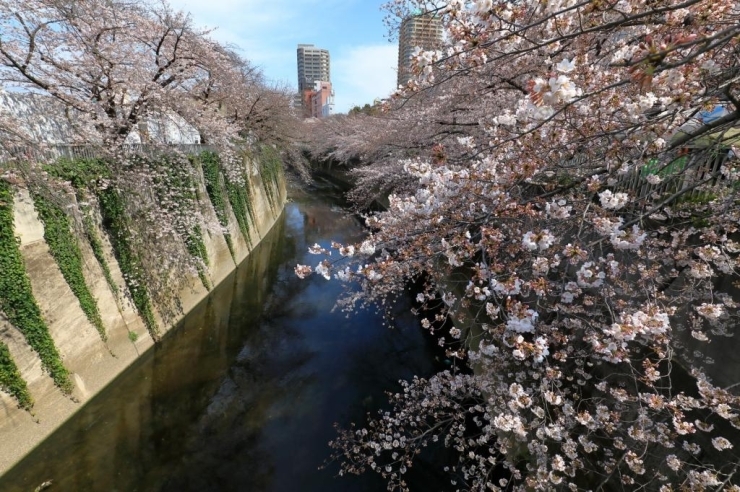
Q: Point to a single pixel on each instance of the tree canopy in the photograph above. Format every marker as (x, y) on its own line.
(564, 172)
(115, 69)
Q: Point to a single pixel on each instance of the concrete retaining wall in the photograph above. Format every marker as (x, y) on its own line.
(92, 363)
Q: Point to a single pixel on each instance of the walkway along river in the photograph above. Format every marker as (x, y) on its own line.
(244, 393)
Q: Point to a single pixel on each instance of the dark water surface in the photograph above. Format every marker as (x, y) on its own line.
(244, 393)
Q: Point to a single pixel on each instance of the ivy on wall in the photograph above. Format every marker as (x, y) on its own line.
(270, 169)
(11, 381)
(241, 205)
(16, 297)
(212, 175)
(197, 248)
(114, 220)
(175, 185)
(84, 174)
(66, 252)
(176, 189)
(97, 247)
(81, 173)
(196, 245)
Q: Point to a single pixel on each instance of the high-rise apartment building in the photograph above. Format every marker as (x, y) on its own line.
(423, 31)
(313, 66)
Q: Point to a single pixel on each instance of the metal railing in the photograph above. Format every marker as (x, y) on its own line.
(51, 153)
(687, 176)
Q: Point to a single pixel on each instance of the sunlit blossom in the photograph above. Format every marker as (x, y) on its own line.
(613, 201)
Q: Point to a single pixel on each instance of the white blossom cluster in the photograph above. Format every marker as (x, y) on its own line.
(577, 282)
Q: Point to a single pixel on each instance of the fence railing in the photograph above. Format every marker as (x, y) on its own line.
(50, 153)
(687, 176)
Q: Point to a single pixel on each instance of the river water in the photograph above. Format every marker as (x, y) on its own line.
(244, 393)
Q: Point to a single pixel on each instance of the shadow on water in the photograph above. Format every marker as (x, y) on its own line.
(243, 395)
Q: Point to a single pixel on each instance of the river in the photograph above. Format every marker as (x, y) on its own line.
(244, 393)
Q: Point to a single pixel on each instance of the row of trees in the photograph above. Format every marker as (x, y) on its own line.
(109, 68)
(565, 170)
(105, 74)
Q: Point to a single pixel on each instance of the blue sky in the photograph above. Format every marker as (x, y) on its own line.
(363, 61)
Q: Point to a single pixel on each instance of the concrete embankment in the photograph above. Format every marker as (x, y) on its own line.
(92, 362)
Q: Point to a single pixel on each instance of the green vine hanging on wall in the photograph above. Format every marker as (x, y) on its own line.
(11, 381)
(270, 169)
(212, 175)
(17, 300)
(97, 248)
(114, 220)
(66, 252)
(197, 248)
(82, 173)
(175, 188)
(241, 205)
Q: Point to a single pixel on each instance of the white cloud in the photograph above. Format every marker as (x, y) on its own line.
(362, 74)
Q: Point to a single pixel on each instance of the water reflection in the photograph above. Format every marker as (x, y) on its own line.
(243, 395)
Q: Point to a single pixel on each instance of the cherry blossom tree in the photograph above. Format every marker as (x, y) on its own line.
(564, 173)
(118, 68)
(112, 74)
(107, 63)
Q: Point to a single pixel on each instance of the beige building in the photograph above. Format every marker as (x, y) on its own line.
(424, 31)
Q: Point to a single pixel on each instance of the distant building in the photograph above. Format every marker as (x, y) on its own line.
(322, 100)
(319, 101)
(315, 94)
(423, 31)
(298, 101)
(35, 118)
(313, 66)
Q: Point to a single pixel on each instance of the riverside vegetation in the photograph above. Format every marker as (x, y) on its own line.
(98, 208)
(143, 78)
(562, 172)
